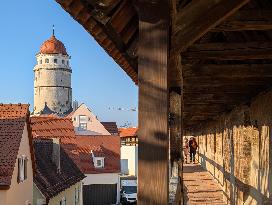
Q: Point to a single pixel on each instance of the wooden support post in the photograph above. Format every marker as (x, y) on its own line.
(153, 168)
(175, 126)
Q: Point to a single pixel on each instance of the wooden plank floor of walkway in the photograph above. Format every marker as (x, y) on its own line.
(200, 188)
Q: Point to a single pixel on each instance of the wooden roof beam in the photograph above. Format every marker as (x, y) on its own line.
(216, 81)
(247, 20)
(226, 89)
(205, 98)
(230, 51)
(199, 17)
(230, 71)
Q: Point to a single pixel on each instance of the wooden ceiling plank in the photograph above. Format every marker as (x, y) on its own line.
(122, 16)
(247, 20)
(244, 26)
(230, 51)
(231, 70)
(198, 17)
(215, 81)
(225, 89)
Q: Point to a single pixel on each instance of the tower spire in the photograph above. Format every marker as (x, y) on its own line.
(53, 30)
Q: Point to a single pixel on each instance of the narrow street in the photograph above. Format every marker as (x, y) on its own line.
(200, 187)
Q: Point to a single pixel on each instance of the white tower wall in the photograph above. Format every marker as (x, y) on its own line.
(52, 83)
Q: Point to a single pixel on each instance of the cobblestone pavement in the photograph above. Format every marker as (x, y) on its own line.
(200, 188)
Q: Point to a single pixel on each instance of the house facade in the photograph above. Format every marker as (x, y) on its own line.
(16, 155)
(58, 179)
(86, 123)
(61, 182)
(129, 151)
(100, 162)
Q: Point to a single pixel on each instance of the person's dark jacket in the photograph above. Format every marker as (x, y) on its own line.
(193, 145)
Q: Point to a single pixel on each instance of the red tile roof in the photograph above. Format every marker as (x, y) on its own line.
(13, 118)
(53, 46)
(49, 181)
(79, 147)
(52, 127)
(55, 127)
(107, 146)
(128, 132)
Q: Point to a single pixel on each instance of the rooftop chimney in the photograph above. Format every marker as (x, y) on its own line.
(75, 105)
(56, 153)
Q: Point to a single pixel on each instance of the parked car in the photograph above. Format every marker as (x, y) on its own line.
(128, 191)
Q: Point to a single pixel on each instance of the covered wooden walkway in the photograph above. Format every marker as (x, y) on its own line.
(204, 69)
(200, 187)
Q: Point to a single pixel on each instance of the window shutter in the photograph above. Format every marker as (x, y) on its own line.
(18, 176)
(25, 168)
(75, 196)
(22, 169)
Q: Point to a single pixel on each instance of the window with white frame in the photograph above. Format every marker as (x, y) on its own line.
(99, 162)
(22, 168)
(82, 126)
(63, 201)
(83, 119)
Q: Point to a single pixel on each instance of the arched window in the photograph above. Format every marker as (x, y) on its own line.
(55, 60)
(46, 60)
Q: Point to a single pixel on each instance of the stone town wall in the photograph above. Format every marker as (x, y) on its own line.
(237, 151)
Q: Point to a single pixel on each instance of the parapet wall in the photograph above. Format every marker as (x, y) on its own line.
(237, 151)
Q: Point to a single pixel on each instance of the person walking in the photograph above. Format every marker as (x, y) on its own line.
(185, 150)
(193, 147)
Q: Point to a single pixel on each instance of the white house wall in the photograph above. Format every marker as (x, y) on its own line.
(131, 154)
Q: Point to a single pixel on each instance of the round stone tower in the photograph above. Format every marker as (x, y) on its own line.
(52, 79)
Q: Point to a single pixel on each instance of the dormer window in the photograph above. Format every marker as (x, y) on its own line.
(99, 162)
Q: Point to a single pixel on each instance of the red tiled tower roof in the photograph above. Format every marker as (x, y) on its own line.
(53, 46)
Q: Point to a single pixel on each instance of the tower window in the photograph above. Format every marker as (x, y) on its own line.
(63, 61)
(46, 60)
(67, 62)
(55, 60)
(40, 61)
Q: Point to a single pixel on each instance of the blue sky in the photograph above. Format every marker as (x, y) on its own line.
(96, 80)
